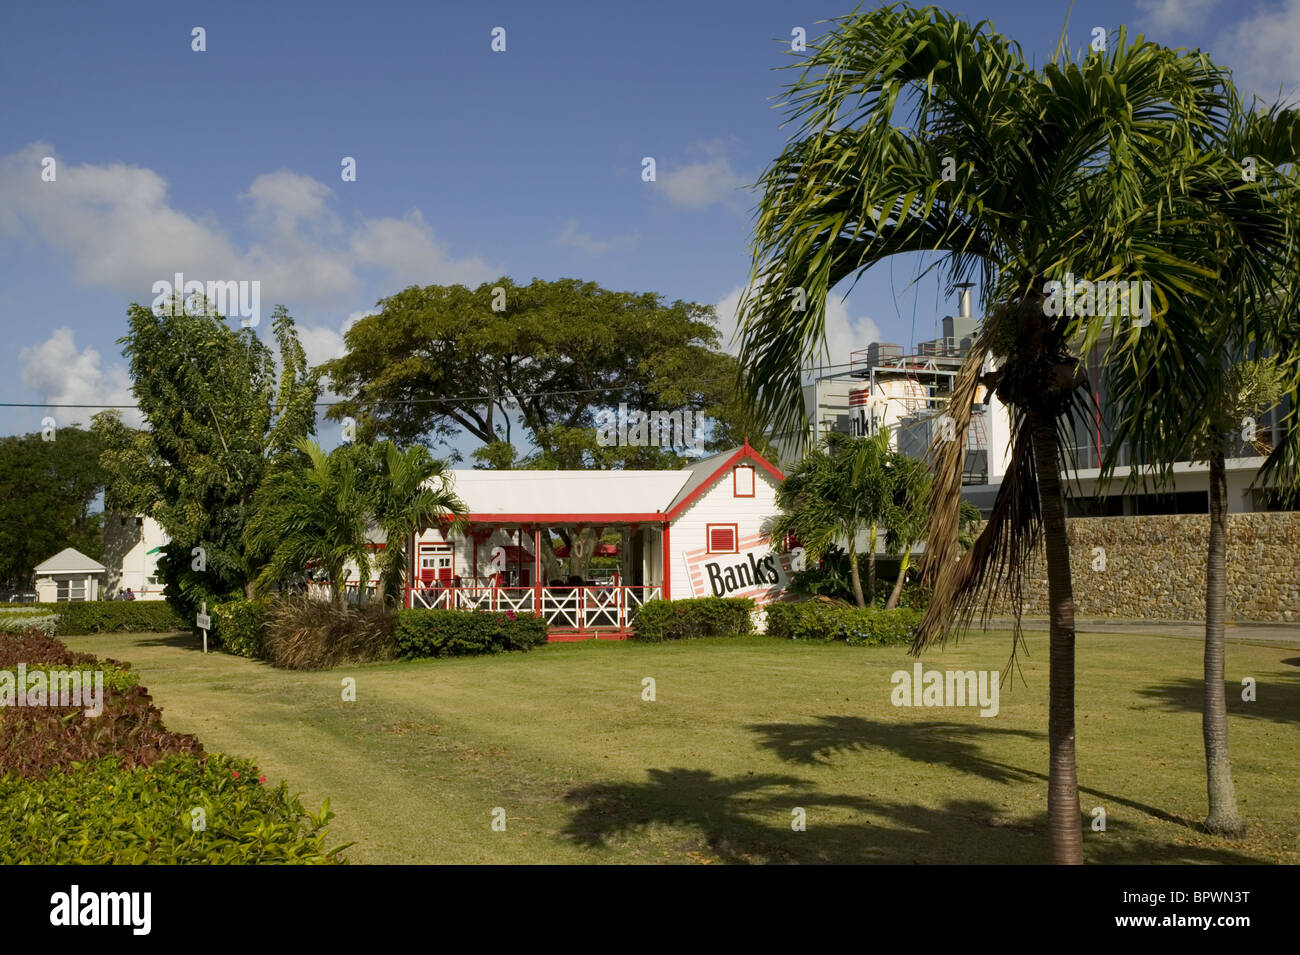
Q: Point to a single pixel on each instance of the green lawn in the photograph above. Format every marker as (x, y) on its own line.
(743, 731)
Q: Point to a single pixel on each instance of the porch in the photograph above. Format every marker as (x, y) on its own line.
(572, 611)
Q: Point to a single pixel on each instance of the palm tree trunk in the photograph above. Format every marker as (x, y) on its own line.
(1223, 818)
(1064, 825)
(892, 602)
(855, 576)
(871, 567)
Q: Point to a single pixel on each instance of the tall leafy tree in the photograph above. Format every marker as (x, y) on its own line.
(217, 412)
(48, 492)
(837, 492)
(917, 132)
(443, 361)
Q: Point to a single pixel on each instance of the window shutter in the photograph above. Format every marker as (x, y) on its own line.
(722, 540)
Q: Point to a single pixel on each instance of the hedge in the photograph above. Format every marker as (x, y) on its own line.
(858, 627)
(454, 633)
(658, 620)
(78, 617)
(240, 626)
(101, 813)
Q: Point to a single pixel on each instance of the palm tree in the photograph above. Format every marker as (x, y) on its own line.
(409, 492)
(837, 491)
(907, 513)
(1023, 176)
(312, 510)
(1192, 385)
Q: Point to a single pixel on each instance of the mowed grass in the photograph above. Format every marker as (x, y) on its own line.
(743, 733)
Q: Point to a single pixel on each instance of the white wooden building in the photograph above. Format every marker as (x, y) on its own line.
(697, 532)
(69, 575)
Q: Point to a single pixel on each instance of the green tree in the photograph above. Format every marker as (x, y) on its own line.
(838, 491)
(440, 361)
(216, 415)
(1191, 389)
(312, 510)
(917, 132)
(907, 513)
(409, 492)
(47, 492)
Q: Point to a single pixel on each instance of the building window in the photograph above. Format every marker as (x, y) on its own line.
(722, 538)
(742, 479)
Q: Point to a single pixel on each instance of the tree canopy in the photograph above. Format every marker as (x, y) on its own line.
(441, 361)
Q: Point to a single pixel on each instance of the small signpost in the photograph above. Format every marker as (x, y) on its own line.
(204, 622)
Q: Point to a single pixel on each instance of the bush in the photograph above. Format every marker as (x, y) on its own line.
(78, 617)
(306, 634)
(240, 626)
(658, 620)
(120, 788)
(104, 813)
(455, 633)
(37, 740)
(16, 621)
(858, 627)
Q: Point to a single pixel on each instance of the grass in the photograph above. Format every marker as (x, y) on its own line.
(743, 731)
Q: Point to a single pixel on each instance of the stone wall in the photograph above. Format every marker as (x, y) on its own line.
(1154, 567)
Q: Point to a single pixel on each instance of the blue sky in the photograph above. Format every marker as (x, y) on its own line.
(470, 164)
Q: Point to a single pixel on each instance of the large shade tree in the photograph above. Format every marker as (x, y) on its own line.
(514, 365)
(917, 132)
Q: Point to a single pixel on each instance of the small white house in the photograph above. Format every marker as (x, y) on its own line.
(69, 575)
(132, 545)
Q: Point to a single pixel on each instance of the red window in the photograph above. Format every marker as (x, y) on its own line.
(722, 538)
(742, 481)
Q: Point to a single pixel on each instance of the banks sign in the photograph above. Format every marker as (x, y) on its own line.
(755, 571)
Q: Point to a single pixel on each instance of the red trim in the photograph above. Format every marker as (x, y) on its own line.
(735, 538)
(545, 519)
(666, 560)
(735, 483)
(743, 453)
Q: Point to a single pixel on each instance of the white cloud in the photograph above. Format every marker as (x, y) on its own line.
(572, 236)
(1180, 15)
(61, 374)
(411, 254)
(117, 227)
(1264, 52)
(709, 181)
(843, 334)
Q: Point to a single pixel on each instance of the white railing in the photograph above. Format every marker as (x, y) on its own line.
(574, 607)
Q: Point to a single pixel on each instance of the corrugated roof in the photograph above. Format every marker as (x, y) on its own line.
(70, 561)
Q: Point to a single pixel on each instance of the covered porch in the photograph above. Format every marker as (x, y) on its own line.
(504, 566)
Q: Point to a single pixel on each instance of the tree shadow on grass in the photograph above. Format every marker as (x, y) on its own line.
(177, 641)
(1277, 697)
(747, 819)
(945, 743)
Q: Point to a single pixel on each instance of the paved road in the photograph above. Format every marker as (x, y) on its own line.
(1255, 632)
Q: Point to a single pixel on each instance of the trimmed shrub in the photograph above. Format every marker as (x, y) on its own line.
(103, 813)
(858, 627)
(240, 626)
(457, 633)
(16, 621)
(306, 634)
(659, 620)
(78, 617)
